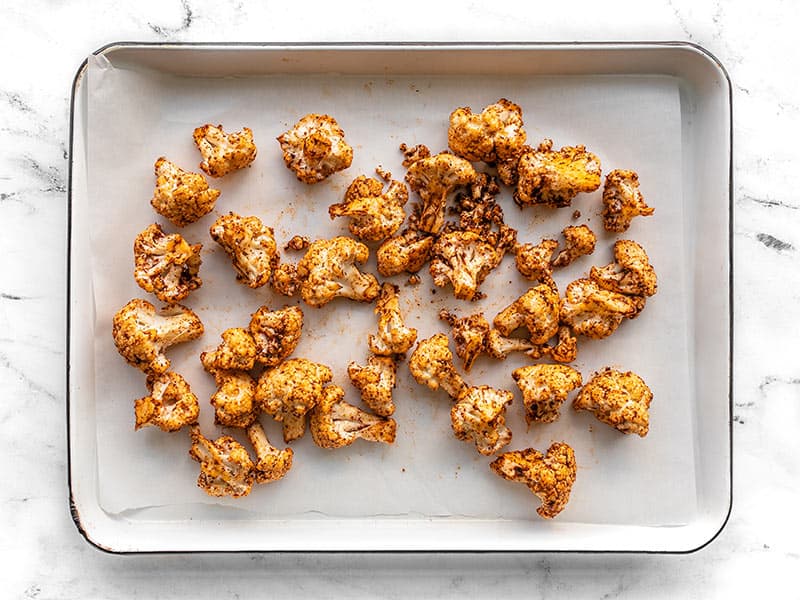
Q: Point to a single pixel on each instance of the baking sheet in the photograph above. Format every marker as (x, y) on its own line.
(629, 121)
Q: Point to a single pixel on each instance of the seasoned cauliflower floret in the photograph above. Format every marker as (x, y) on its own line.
(289, 391)
(498, 346)
(533, 262)
(376, 215)
(315, 148)
(234, 401)
(544, 389)
(536, 310)
(375, 382)
(630, 273)
(166, 265)
(224, 152)
(226, 468)
(579, 241)
(622, 201)
(285, 280)
(553, 177)
(433, 178)
(469, 334)
(431, 364)
(328, 270)
(393, 336)
(463, 258)
(479, 416)
(594, 312)
(496, 133)
(334, 423)
(181, 196)
(142, 335)
(276, 333)
(251, 246)
(407, 252)
(566, 349)
(298, 243)
(414, 153)
(170, 404)
(621, 400)
(549, 476)
(237, 351)
(272, 464)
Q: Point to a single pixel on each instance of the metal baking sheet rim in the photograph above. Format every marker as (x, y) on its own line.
(85, 530)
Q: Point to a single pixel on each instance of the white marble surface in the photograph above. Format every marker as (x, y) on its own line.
(41, 553)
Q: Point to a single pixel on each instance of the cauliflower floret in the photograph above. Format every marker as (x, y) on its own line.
(579, 241)
(224, 152)
(298, 243)
(622, 201)
(499, 346)
(251, 246)
(566, 349)
(621, 400)
(594, 312)
(548, 476)
(328, 270)
(544, 389)
(234, 401)
(431, 364)
(469, 334)
(285, 280)
(226, 468)
(276, 333)
(166, 265)
(315, 148)
(554, 178)
(289, 391)
(630, 273)
(273, 464)
(497, 133)
(464, 259)
(334, 423)
(479, 416)
(170, 404)
(142, 335)
(413, 154)
(181, 196)
(375, 382)
(536, 310)
(376, 215)
(393, 336)
(533, 262)
(407, 252)
(479, 213)
(433, 178)
(237, 351)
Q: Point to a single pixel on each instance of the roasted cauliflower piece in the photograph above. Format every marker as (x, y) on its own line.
(497, 133)
(499, 346)
(285, 280)
(533, 261)
(412, 154)
(298, 243)
(393, 336)
(433, 178)
(469, 334)
(464, 259)
(544, 389)
(479, 416)
(289, 391)
(328, 270)
(234, 401)
(272, 464)
(594, 312)
(549, 476)
(553, 177)
(170, 404)
(566, 349)
(142, 335)
(314, 148)
(537, 310)
(276, 333)
(375, 381)
(376, 215)
(226, 468)
(407, 252)
(621, 400)
(224, 152)
(181, 196)
(251, 246)
(334, 423)
(578, 241)
(622, 201)
(237, 351)
(166, 265)
(431, 364)
(631, 272)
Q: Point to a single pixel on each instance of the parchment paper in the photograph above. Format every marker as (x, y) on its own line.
(633, 122)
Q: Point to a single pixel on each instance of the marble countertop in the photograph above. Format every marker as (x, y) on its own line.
(42, 554)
